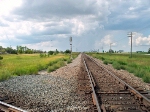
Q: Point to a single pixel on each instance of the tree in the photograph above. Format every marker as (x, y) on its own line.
(111, 51)
(2, 50)
(10, 50)
(149, 51)
(50, 52)
(67, 51)
(57, 51)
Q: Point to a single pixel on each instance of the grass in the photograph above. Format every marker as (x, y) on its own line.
(53, 65)
(26, 64)
(138, 65)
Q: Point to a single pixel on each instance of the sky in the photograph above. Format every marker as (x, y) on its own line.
(93, 24)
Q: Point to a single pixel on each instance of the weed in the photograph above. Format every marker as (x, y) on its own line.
(1, 57)
(102, 58)
(110, 61)
(50, 68)
(5, 74)
(27, 64)
(105, 62)
(139, 72)
(129, 69)
(122, 63)
(146, 78)
(133, 65)
(138, 65)
(116, 65)
(69, 61)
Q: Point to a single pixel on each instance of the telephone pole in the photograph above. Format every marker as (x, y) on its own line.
(130, 35)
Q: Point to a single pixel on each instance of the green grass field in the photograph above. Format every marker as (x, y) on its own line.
(26, 64)
(139, 64)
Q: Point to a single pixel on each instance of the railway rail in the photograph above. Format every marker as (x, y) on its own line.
(112, 94)
(5, 107)
(101, 89)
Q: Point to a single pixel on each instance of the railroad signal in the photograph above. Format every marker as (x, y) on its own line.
(70, 47)
(130, 35)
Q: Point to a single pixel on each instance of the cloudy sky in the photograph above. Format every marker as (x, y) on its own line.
(92, 24)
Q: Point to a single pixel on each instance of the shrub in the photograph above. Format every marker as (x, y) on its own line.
(102, 58)
(133, 65)
(105, 62)
(42, 55)
(122, 63)
(55, 65)
(1, 57)
(64, 59)
(50, 68)
(146, 78)
(116, 65)
(61, 63)
(123, 67)
(110, 62)
(50, 52)
(69, 61)
(130, 69)
(40, 67)
(140, 73)
(67, 51)
(52, 62)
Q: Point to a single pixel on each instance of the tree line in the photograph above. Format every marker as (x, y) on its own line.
(26, 50)
(18, 50)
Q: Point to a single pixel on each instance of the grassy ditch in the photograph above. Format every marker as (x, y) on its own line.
(138, 65)
(27, 64)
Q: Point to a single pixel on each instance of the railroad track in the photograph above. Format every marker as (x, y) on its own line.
(5, 107)
(110, 93)
(7, 104)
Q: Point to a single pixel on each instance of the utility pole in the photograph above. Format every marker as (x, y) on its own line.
(130, 35)
(71, 47)
(110, 47)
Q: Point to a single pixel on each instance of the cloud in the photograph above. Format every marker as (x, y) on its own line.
(37, 22)
(36, 19)
(47, 45)
(133, 14)
(139, 39)
(3, 24)
(6, 6)
(106, 41)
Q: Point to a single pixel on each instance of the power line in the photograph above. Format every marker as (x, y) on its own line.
(120, 39)
(143, 28)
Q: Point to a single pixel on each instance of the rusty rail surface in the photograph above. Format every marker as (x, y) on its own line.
(4, 107)
(127, 96)
(92, 82)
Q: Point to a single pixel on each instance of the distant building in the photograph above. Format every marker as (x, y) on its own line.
(120, 51)
(139, 51)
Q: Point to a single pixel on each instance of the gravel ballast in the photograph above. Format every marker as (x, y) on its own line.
(55, 91)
